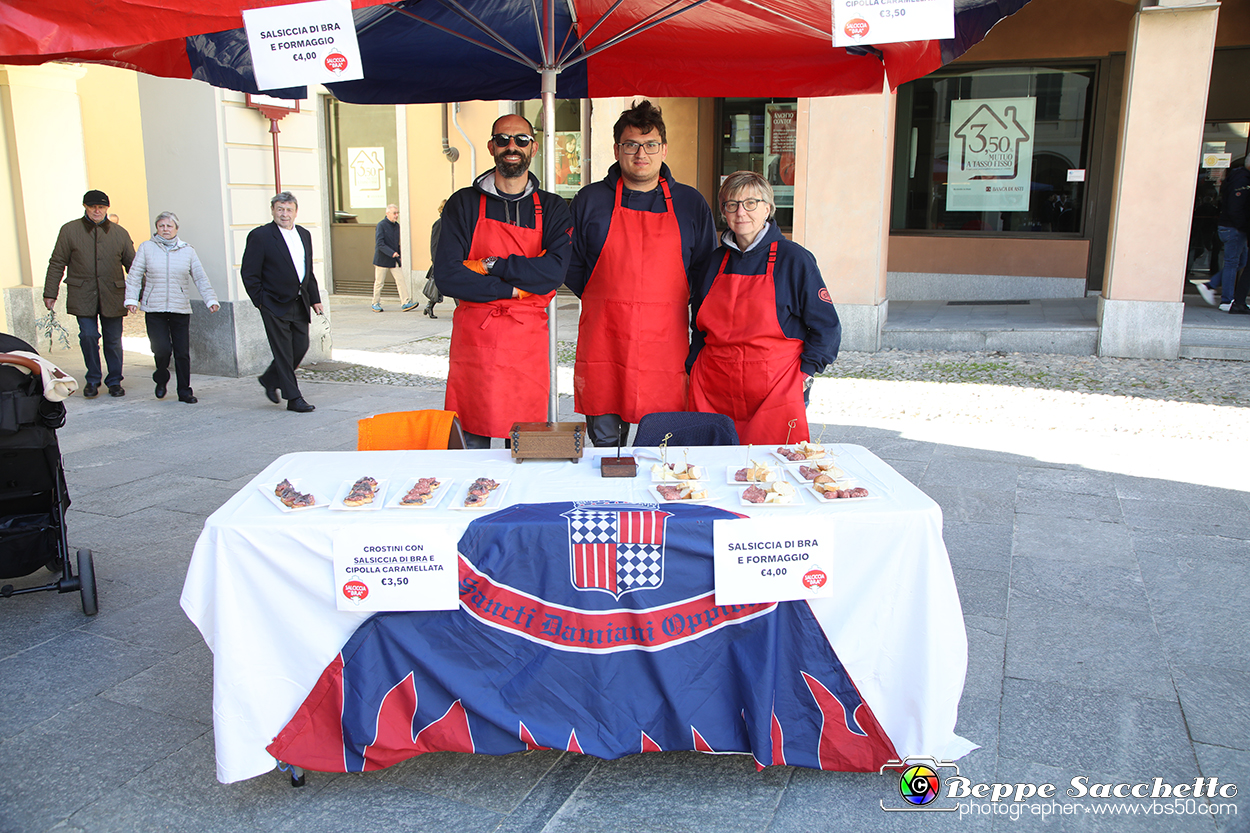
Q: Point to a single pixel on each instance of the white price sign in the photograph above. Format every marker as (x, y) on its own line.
(396, 567)
(762, 560)
(304, 43)
(861, 22)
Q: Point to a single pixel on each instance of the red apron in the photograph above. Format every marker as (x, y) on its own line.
(498, 370)
(633, 337)
(748, 369)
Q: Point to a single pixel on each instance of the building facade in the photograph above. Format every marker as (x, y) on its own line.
(1069, 153)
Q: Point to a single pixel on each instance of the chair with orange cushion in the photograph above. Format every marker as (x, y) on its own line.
(409, 430)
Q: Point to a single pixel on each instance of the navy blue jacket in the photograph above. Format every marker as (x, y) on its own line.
(1235, 200)
(801, 310)
(592, 214)
(539, 275)
(386, 244)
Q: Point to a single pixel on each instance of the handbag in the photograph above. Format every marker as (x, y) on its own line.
(430, 291)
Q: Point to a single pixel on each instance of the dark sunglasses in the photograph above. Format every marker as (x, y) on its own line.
(522, 140)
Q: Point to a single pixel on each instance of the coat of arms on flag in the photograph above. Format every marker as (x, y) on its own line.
(615, 548)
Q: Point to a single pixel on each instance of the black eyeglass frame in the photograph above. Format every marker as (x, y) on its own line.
(502, 140)
(725, 206)
(624, 146)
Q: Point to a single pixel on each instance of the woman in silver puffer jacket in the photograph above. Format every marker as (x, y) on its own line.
(161, 276)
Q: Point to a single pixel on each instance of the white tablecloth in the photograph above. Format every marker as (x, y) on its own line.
(260, 586)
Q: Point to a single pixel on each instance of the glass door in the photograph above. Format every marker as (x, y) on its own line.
(1224, 146)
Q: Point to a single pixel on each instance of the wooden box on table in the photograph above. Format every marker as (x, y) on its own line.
(548, 441)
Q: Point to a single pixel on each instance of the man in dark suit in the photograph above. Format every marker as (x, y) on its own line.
(277, 272)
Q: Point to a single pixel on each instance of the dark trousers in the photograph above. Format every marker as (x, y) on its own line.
(169, 335)
(89, 341)
(472, 440)
(1242, 287)
(604, 430)
(288, 340)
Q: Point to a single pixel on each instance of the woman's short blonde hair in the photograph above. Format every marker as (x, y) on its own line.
(740, 181)
(166, 215)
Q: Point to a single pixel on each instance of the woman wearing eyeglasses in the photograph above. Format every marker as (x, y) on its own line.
(764, 323)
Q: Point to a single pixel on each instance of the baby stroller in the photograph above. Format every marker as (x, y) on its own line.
(33, 495)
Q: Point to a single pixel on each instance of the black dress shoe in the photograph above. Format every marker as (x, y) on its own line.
(116, 390)
(189, 399)
(91, 390)
(300, 405)
(272, 393)
(161, 390)
(1239, 309)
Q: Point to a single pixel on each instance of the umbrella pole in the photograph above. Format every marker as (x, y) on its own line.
(549, 178)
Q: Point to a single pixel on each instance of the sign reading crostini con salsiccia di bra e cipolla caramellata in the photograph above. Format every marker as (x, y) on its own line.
(396, 567)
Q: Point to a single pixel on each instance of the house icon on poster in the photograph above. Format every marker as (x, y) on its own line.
(367, 170)
(990, 144)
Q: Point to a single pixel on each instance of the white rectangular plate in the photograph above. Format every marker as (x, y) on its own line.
(655, 493)
(495, 501)
(730, 471)
(268, 488)
(393, 502)
(798, 500)
(788, 461)
(345, 488)
(823, 501)
(699, 470)
(793, 468)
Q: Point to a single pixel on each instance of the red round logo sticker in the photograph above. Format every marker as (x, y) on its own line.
(824, 295)
(336, 62)
(856, 28)
(356, 591)
(814, 579)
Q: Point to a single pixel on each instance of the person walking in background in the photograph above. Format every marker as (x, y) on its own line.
(1234, 214)
(503, 251)
(277, 273)
(93, 254)
(764, 323)
(431, 288)
(386, 261)
(160, 280)
(640, 239)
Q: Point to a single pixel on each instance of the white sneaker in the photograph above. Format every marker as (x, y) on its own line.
(1225, 307)
(1207, 293)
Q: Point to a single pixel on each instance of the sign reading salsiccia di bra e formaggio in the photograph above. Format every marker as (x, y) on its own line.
(990, 166)
(863, 22)
(303, 43)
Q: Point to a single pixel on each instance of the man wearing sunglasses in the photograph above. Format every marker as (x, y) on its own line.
(503, 251)
(639, 238)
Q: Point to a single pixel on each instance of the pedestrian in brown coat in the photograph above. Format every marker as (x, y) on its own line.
(94, 254)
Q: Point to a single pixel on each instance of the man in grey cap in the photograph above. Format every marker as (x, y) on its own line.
(94, 254)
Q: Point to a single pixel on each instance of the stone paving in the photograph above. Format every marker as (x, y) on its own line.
(1097, 546)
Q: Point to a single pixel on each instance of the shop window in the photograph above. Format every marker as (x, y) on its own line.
(1003, 150)
(568, 145)
(364, 161)
(758, 135)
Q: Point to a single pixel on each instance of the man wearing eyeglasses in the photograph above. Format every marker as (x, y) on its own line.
(639, 239)
(503, 251)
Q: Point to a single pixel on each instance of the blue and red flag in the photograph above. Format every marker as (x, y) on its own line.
(590, 627)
